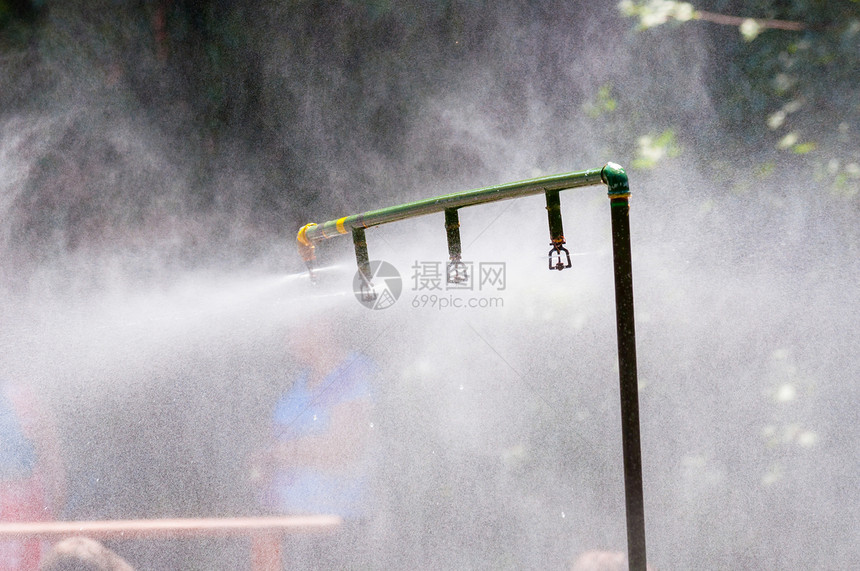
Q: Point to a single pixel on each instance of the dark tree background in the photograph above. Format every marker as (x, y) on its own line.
(141, 140)
(270, 112)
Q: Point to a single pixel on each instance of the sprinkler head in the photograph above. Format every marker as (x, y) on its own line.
(561, 256)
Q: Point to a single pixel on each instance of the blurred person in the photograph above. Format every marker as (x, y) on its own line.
(32, 477)
(318, 460)
(83, 554)
(602, 561)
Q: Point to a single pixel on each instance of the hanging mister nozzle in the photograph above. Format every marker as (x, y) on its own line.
(559, 257)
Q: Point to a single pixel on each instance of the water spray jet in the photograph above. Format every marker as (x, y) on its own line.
(615, 178)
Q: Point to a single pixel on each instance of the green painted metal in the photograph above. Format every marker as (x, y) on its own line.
(540, 185)
(615, 178)
(628, 382)
(553, 211)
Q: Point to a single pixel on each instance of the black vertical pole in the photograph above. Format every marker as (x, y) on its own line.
(619, 200)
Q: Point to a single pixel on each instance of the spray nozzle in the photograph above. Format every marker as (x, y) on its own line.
(561, 256)
(307, 250)
(366, 291)
(556, 233)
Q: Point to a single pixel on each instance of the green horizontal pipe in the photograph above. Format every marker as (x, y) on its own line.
(332, 228)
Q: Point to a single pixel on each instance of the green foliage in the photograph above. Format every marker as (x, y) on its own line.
(792, 72)
(843, 179)
(16, 21)
(654, 148)
(603, 102)
(656, 12)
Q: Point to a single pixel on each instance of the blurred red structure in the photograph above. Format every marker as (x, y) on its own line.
(266, 533)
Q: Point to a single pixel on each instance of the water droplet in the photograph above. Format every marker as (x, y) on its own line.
(786, 393)
(807, 439)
